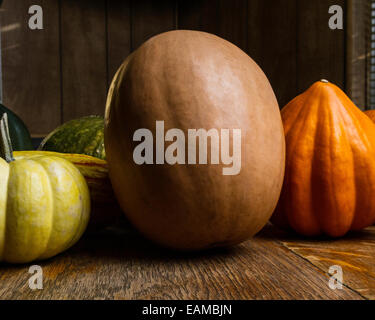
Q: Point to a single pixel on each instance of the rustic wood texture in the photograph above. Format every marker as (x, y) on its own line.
(198, 15)
(31, 64)
(272, 44)
(150, 18)
(84, 54)
(67, 67)
(354, 253)
(233, 22)
(118, 35)
(358, 33)
(117, 263)
(320, 50)
(226, 19)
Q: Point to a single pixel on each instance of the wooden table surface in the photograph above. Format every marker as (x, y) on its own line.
(116, 263)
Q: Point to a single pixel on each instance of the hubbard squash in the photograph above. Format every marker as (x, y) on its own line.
(194, 80)
(329, 181)
(44, 204)
(77, 136)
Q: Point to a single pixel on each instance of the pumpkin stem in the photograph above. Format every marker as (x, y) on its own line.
(6, 151)
(324, 81)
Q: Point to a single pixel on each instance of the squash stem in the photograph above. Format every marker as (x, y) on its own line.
(6, 151)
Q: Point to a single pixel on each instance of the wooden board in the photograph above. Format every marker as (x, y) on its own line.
(83, 58)
(117, 263)
(354, 254)
(64, 71)
(198, 15)
(321, 51)
(226, 19)
(31, 64)
(232, 22)
(119, 34)
(358, 27)
(272, 44)
(150, 18)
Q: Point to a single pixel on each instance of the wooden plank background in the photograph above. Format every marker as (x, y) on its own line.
(358, 47)
(63, 71)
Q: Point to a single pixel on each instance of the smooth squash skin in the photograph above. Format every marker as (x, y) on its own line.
(44, 208)
(329, 181)
(93, 169)
(105, 210)
(4, 174)
(194, 80)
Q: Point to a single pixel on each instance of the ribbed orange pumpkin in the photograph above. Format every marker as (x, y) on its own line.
(329, 183)
(371, 114)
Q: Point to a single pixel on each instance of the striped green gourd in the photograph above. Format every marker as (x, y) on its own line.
(81, 136)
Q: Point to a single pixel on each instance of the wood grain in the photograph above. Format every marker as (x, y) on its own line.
(118, 264)
(355, 253)
(226, 19)
(150, 18)
(272, 44)
(232, 22)
(359, 14)
(119, 34)
(31, 64)
(84, 58)
(201, 15)
(321, 51)
(63, 71)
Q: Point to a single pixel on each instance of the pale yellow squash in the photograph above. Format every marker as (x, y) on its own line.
(44, 207)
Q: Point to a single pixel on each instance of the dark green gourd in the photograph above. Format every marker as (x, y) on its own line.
(82, 136)
(19, 134)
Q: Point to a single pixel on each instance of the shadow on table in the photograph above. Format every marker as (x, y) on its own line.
(124, 242)
(271, 232)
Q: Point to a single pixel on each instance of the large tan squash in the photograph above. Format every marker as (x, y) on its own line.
(193, 80)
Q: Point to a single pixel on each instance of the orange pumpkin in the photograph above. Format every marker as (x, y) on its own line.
(371, 114)
(329, 183)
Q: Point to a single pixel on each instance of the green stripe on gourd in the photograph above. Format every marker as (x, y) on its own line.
(19, 134)
(82, 136)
